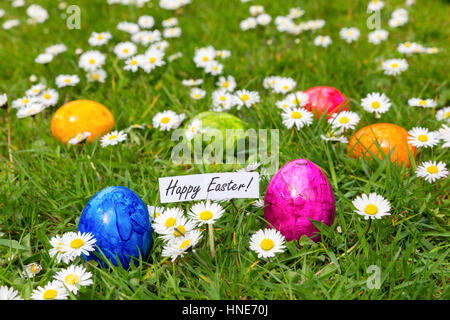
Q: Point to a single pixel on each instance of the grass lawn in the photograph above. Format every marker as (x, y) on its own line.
(44, 190)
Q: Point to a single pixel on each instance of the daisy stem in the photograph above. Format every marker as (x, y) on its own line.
(368, 227)
(234, 205)
(211, 240)
(8, 116)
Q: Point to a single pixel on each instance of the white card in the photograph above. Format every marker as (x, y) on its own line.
(214, 186)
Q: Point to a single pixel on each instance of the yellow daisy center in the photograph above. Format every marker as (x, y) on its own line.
(394, 65)
(67, 80)
(95, 76)
(285, 87)
(222, 98)
(225, 84)
(125, 50)
(407, 44)
(133, 62)
(447, 114)
(112, 137)
(371, 209)
(47, 96)
(196, 96)
(25, 100)
(49, 294)
(92, 61)
(35, 269)
(422, 102)
(165, 120)
(181, 230)
(375, 105)
(267, 244)
(72, 279)
(422, 138)
(185, 243)
(152, 60)
(170, 222)
(206, 215)
(205, 59)
(344, 120)
(76, 243)
(245, 97)
(296, 115)
(432, 169)
(100, 37)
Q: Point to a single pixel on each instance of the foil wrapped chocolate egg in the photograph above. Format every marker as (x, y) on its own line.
(381, 139)
(120, 222)
(299, 192)
(326, 100)
(80, 116)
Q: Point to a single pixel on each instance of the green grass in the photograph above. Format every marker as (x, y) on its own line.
(44, 191)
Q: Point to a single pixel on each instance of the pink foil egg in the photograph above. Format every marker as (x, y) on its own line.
(299, 191)
(327, 100)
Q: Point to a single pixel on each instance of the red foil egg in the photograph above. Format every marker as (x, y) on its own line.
(327, 100)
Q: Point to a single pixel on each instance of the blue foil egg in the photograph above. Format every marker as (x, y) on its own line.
(120, 222)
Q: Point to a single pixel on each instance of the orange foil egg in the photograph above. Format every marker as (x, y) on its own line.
(388, 136)
(81, 116)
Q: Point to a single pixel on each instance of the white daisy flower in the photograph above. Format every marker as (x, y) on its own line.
(174, 32)
(295, 13)
(263, 19)
(192, 82)
(159, 45)
(256, 10)
(74, 277)
(297, 99)
(269, 82)
(247, 24)
(214, 68)
(377, 36)
(128, 27)
(146, 22)
(9, 294)
(32, 269)
(349, 34)
(99, 38)
(443, 114)
(35, 90)
(376, 102)
(171, 22)
(152, 59)
(132, 64)
(334, 137)
(267, 242)
(91, 60)
(425, 103)
(197, 93)
(179, 229)
(37, 13)
(298, 117)
(166, 120)
(410, 48)
(167, 219)
(44, 58)
(395, 22)
(323, 41)
(113, 138)
(422, 137)
(344, 120)
(3, 100)
(147, 37)
(2, 13)
(80, 137)
(432, 50)
(444, 134)
(98, 75)
(394, 67)
(206, 212)
(373, 206)
(193, 128)
(177, 247)
(223, 54)
(30, 109)
(284, 85)
(155, 212)
(56, 49)
(124, 50)
(246, 98)
(222, 99)
(432, 171)
(58, 249)
(175, 56)
(375, 5)
(53, 290)
(8, 24)
(22, 102)
(77, 243)
(204, 56)
(400, 13)
(259, 203)
(227, 83)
